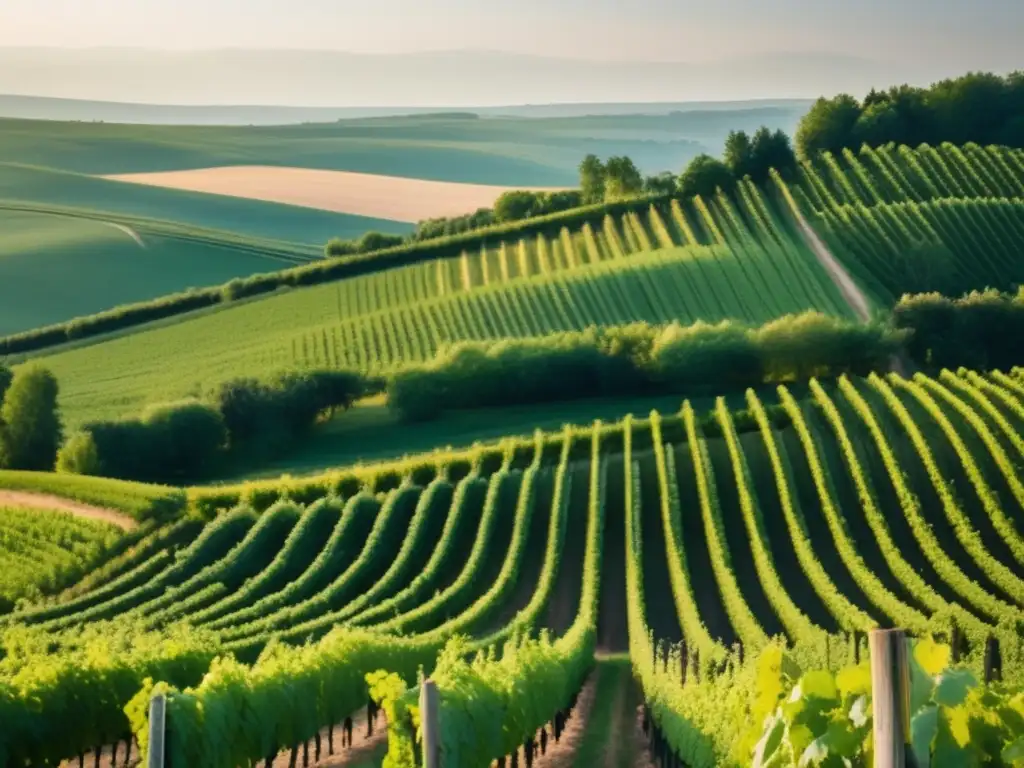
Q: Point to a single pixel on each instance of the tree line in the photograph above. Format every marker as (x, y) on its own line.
(978, 107)
(981, 330)
(641, 359)
(240, 420)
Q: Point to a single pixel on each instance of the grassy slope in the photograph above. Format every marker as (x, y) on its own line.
(54, 268)
(251, 218)
(74, 266)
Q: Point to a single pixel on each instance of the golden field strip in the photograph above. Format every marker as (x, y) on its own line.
(363, 194)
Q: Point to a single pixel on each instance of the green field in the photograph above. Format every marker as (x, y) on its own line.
(611, 536)
(61, 257)
(708, 261)
(85, 265)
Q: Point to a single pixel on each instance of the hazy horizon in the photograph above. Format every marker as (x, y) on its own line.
(466, 53)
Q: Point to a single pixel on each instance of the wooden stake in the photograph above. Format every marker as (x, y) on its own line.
(430, 717)
(890, 693)
(157, 731)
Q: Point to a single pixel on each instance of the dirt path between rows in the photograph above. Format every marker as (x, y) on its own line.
(363, 750)
(42, 501)
(851, 292)
(562, 754)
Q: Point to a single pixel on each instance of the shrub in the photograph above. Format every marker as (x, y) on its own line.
(979, 330)
(262, 416)
(705, 357)
(30, 428)
(640, 359)
(79, 455)
(169, 442)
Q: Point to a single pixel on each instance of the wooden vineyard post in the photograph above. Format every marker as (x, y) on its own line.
(157, 731)
(430, 719)
(890, 693)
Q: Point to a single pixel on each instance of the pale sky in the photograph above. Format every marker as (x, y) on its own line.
(965, 33)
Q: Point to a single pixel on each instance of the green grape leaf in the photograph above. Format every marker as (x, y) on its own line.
(1014, 752)
(770, 741)
(952, 687)
(923, 727)
(800, 737)
(1011, 717)
(951, 744)
(854, 681)
(931, 656)
(819, 685)
(921, 685)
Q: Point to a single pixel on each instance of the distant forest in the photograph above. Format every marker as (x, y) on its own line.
(978, 107)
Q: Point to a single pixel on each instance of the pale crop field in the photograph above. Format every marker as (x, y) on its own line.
(362, 194)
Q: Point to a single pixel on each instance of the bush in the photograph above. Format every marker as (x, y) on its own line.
(79, 455)
(640, 359)
(706, 358)
(30, 428)
(189, 435)
(170, 443)
(261, 417)
(980, 330)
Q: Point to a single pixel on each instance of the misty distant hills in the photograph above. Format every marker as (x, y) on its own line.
(48, 108)
(443, 79)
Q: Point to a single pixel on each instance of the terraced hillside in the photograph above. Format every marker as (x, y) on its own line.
(707, 261)
(872, 502)
(947, 218)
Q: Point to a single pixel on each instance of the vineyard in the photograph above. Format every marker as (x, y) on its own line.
(40, 553)
(699, 542)
(706, 260)
(946, 218)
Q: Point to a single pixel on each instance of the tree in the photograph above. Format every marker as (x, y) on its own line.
(592, 174)
(621, 178)
(30, 428)
(516, 204)
(663, 184)
(375, 241)
(827, 126)
(769, 149)
(704, 176)
(738, 153)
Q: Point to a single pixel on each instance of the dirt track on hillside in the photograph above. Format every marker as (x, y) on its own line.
(362, 194)
(24, 500)
(851, 291)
